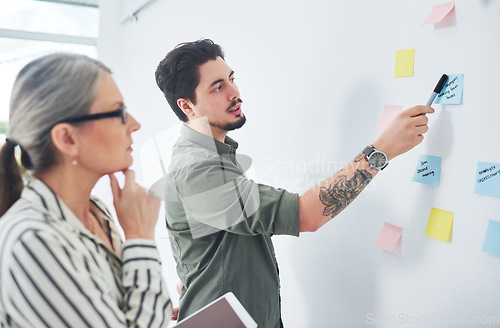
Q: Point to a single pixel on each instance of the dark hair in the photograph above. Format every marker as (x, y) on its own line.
(177, 75)
(48, 89)
(12, 182)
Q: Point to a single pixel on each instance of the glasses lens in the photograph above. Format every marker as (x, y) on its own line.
(124, 115)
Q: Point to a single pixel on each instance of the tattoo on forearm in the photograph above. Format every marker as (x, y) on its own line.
(360, 157)
(343, 191)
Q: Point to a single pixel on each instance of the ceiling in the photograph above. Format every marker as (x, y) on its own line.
(86, 3)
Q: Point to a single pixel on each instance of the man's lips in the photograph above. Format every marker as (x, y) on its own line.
(236, 110)
(235, 107)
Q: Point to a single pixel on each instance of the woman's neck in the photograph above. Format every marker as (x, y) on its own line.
(72, 186)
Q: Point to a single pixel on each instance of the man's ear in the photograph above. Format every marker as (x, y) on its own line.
(64, 139)
(186, 106)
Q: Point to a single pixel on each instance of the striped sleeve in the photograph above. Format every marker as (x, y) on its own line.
(147, 301)
(52, 284)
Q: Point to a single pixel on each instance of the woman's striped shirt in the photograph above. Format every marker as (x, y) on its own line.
(55, 273)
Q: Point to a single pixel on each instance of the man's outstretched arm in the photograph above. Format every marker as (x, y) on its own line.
(324, 201)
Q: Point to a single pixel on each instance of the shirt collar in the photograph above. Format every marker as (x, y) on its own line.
(229, 145)
(39, 194)
(47, 201)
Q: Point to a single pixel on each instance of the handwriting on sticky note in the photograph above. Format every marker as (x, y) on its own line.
(487, 173)
(452, 91)
(488, 179)
(405, 61)
(438, 13)
(428, 170)
(390, 112)
(389, 237)
(491, 244)
(440, 224)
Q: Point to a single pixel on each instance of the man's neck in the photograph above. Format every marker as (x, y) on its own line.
(202, 126)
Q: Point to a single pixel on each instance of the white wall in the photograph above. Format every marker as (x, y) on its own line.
(314, 77)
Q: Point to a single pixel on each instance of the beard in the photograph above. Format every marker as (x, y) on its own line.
(233, 125)
(230, 126)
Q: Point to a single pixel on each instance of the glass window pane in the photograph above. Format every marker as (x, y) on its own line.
(38, 17)
(15, 53)
(47, 17)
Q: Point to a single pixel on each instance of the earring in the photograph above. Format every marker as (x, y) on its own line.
(74, 162)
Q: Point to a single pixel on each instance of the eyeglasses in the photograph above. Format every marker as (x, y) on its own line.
(122, 113)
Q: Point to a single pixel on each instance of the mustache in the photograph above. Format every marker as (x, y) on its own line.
(234, 103)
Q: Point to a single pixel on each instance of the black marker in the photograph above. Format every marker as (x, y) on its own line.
(439, 87)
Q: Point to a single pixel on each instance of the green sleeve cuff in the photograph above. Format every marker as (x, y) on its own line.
(287, 219)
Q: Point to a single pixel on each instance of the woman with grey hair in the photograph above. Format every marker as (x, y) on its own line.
(62, 261)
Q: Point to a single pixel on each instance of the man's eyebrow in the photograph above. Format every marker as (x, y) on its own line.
(221, 80)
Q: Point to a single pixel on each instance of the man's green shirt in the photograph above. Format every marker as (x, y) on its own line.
(221, 223)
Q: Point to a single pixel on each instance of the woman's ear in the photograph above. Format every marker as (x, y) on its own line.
(186, 106)
(64, 139)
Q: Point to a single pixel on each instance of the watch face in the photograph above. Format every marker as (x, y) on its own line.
(377, 160)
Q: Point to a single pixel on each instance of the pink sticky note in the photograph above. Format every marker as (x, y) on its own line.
(390, 112)
(389, 237)
(438, 13)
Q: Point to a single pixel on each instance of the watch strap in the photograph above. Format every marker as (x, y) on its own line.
(368, 150)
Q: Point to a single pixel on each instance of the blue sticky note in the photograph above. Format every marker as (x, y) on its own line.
(488, 179)
(452, 91)
(491, 243)
(428, 170)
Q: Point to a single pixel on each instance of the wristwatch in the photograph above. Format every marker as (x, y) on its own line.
(376, 158)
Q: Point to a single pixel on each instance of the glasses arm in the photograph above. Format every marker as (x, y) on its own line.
(92, 117)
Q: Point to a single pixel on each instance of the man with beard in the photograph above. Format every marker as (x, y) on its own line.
(220, 222)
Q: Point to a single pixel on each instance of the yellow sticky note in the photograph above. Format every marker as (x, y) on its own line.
(405, 60)
(440, 224)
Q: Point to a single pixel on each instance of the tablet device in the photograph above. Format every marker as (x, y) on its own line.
(224, 312)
